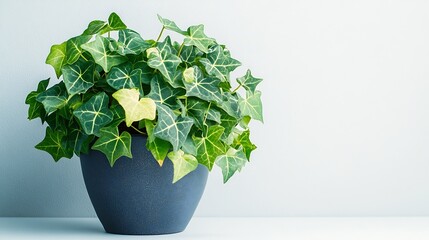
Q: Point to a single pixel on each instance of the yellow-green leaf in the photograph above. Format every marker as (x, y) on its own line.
(182, 164)
(135, 109)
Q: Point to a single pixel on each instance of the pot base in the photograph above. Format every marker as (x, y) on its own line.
(136, 196)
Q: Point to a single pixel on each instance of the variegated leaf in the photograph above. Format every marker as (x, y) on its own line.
(113, 144)
(209, 146)
(158, 147)
(170, 25)
(230, 104)
(55, 144)
(200, 111)
(218, 64)
(165, 62)
(101, 27)
(94, 114)
(103, 56)
(249, 82)
(163, 93)
(78, 77)
(123, 76)
(36, 108)
(252, 105)
(203, 88)
(196, 37)
(172, 128)
(233, 160)
(132, 42)
(74, 51)
(54, 97)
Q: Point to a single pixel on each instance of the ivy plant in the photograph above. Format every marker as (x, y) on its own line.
(179, 95)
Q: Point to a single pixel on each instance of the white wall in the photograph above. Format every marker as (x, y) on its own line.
(346, 99)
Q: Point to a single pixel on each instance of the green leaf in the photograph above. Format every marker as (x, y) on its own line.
(231, 162)
(228, 122)
(172, 128)
(57, 57)
(94, 114)
(249, 82)
(244, 122)
(182, 164)
(113, 145)
(57, 123)
(94, 27)
(189, 54)
(55, 144)
(209, 146)
(78, 141)
(133, 43)
(251, 105)
(124, 77)
(147, 72)
(158, 147)
(163, 93)
(189, 146)
(135, 109)
(54, 97)
(114, 23)
(170, 25)
(230, 104)
(165, 63)
(199, 109)
(218, 64)
(101, 27)
(78, 77)
(203, 88)
(36, 109)
(74, 51)
(243, 140)
(103, 56)
(166, 46)
(196, 37)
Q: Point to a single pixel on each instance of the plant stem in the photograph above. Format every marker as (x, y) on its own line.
(180, 49)
(235, 90)
(138, 130)
(160, 34)
(108, 34)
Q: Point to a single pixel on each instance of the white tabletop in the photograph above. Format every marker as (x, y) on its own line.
(230, 228)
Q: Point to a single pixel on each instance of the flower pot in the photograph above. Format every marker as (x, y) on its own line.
(137, 196)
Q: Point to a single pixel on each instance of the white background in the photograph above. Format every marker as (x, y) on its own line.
(345, 96)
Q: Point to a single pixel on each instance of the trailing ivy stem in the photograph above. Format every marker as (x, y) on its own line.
(180, 49)
(160, 34)
(138, 130)
(235, 90)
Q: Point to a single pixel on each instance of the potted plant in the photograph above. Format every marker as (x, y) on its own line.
(125, 104)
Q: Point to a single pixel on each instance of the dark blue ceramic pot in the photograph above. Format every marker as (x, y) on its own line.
(136, 196)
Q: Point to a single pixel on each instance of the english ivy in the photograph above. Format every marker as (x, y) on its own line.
(179, 95)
